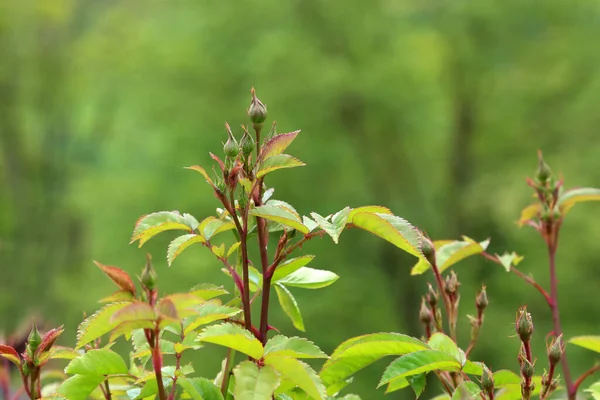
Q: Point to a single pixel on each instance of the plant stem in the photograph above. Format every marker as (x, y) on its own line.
(440, 283)
(583, 376)
(552, 243)
(157, 362)
(227, 372)
(107, 394)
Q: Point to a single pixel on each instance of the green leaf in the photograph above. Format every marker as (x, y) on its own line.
(296, 347)
(79, 387)
(209, 312)
(214, 226)
(151, 225)
(299, 373)
(97, 362)
(289, 305)
(419, 362)
(356, 353)
(198, 168)
(397, 384)
(185, 303)
(276, 162)
(98, 324)
(118, 296)
(394, 229)
(63, 353)
(291, 265)
(417, 383)
(337, 224)
(234, 337)
(178, 245)
(587, 342)
(509, 259)
(10, 354)
(512, 391)
(137, 311)
(233, 248)
(439, 341)
(208, 291)
(505, 377)
(594, 390)
(369, 210)
(529, 213)
(309, 278)
(576, 195)
(451, 253)
(280, 215)
(466, 391)
(126, 328)
(252, 383)
(200, 388)
(277, 145)
(473, 368)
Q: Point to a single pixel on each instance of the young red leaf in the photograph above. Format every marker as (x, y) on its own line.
(166, 309)
(118, 276)
(10, 354)
(48, 340)
(278, 144)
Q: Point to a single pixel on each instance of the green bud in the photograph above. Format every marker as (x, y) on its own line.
(487, 380)
(524, 325)
(556, 350)
(33, 341)
(425, 313)
(148, 278)
(428, 249)
(543, 172)
(247, 143)
(481, 301)
(527, 369)
(451, 284)
(257, 110)
(432, 296)
(231, 147)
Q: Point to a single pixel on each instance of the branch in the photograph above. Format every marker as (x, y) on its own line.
(584, 376)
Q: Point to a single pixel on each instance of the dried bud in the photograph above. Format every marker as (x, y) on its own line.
(451, 284)
(428, 249)
(33, 341)
(425, 313)
(527, 369)
(524, 326)
(543, 172)
(247, 144)
(487, 380)
(481, 301)
(556, 350)
(257, 110)
(231, 147)
(148, 278)
(432, 296)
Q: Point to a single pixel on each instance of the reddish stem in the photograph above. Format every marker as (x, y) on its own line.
(157, 362)
(440, 283)
(585, 375)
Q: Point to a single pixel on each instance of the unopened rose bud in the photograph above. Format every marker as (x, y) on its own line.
(33, 341)
(556, 350)
(451, 284)
(487, 380)
(481, 301)
(432, 296)
(231, 147)
(428, 249)
(527, 369)
(543, 172)
(524, 325)
(257, 110)
(425, 313)
(148, 278)
(247, 144)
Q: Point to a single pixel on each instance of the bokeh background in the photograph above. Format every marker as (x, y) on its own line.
(433, 108)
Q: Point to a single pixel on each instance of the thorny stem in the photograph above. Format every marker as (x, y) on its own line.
(585, 375)
(227, 372)
(521, 275)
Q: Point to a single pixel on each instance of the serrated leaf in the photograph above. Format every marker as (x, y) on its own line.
(166, 309)
(419, 362)
(291, 265)
(359, 352)
(296, 347)
(208, 291)
(118, 276)
(234, 337)
(79, 387)
(451, 253)
(397, 384)
(137, 311)
(473, 368)
(199, 388)
(179, 244)
(337, 224)
(118, 296)
(417, 383)
(207, 313)
(509, 259)
(394, 229)
(218, 251)
(280, 215)
(126, 328)
(576, 195)
(309, 278)
(64, 353)
(289, 305)
(151, 225)
(10, 354)
(98, 324)
(309, 223)
(466, 391)
(97, 362)
(185, 303)
(369, 210)
(277, 144)
(252, 383)
(216, 226)
(587, 342)
(441, 342)
(299, 373)
(594, 390)
(198, 168)
(276, 162)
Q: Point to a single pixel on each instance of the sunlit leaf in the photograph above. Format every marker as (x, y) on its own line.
(185, 303)
(594, 390)
(151, 225)
(233, 248)
(299, 373)
(133, 312)
(296, 347)
(79, 387)
(419, 362)
(64, 353)
(289, 305)
(118, 296)
(234, 337)
(441, 342)
(10, 354)
(529, 213)
(199, 388)
(577, 195)
(216, 226)
(397, 384)
(198, 168)
(466, 391)
(207, 313)
(394, 229)
(451, 253)
(277, 144)
(587, 342)
(291, 265)
(276, 162)
(208, 291)
(252, 383)
(279, 215)
(179, 244)
(337, 224)
(118, 276)
(166, 309)
(98, 324)
(473, 368)
(509, 259)
(417, 383)
(309, 278)
(126, 328)
(369, 210)
(309, 223)
(97, 362)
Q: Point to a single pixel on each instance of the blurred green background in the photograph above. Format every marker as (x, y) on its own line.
(433, 108)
